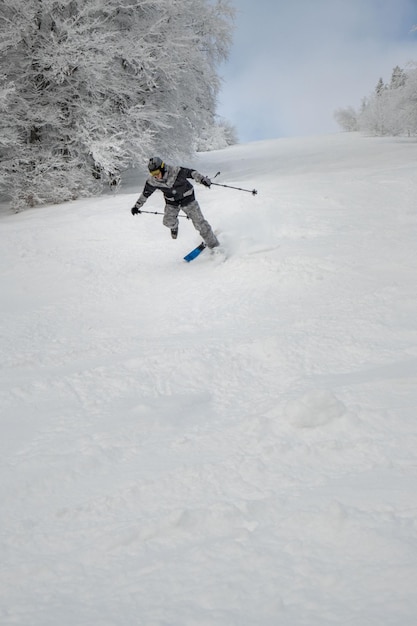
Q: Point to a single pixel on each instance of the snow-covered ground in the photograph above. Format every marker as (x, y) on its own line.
(216, 443)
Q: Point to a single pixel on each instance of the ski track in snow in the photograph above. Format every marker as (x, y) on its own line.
(227, 443)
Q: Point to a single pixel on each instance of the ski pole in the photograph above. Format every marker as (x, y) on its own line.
(252, 191)
(159, 213)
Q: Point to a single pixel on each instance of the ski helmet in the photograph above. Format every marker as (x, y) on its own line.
(156, 164)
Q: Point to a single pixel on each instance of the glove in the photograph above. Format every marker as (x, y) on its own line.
(135, 210)
(205, 181)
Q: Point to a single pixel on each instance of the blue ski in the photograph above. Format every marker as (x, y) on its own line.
(194, 253)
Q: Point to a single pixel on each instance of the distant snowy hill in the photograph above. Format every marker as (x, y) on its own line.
(216, 443)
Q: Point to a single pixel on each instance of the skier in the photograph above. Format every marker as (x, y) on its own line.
(172, 180)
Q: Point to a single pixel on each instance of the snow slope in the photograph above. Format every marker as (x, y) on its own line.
(216, 443)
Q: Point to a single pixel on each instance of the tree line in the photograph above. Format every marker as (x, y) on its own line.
(89, 88)
(390, 110)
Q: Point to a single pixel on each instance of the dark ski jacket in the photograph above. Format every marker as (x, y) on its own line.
(175, 186)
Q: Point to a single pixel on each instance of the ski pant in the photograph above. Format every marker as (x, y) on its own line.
(193, 211)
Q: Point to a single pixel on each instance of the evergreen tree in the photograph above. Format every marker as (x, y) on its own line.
(90, 87)
(398, 78)
(380, 87)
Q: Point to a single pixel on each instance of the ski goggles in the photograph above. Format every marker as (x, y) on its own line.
(155, 172)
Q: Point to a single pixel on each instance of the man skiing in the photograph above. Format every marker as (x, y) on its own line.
(173, 181)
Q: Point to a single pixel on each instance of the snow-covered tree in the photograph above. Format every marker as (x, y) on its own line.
(383, 114)
(409, 103)
(380, 87)
(389, 110)
(90, 87)
(347, 118)
(217, 136)
(398, 78)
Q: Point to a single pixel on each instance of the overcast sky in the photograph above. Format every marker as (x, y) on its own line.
(294, 62)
